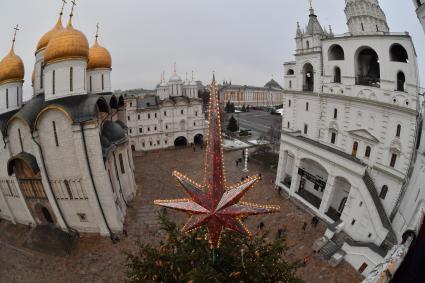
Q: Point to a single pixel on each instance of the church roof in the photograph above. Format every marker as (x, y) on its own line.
(273, 84)
(80, 108)
(114, 132)
(313, 26)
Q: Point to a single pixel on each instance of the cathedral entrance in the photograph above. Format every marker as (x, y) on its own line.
(47, 216)
(180, 142)
(27, 172)
(198, 139)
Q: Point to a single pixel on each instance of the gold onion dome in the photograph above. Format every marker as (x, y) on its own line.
(67, 44)
(11, 68)
(45, 39)
(99, 57)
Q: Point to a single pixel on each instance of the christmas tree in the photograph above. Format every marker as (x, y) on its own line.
(232, 126)
(186, 258)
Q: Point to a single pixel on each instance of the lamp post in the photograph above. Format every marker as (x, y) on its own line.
(246, 161)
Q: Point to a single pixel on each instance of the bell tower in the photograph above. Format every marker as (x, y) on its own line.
(365, 17)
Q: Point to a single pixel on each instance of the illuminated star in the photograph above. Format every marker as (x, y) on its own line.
(214, 204)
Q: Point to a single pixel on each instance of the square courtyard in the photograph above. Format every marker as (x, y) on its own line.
(97, 259)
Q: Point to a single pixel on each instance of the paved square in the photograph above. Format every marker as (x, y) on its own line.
(98, 260)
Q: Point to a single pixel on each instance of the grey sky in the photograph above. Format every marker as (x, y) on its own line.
(245, 41)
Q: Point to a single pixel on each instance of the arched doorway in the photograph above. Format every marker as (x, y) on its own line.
(27, 172)
(133, 148)
(180, 142)
(367, 67)
(338, 198)
(308, 74)
(198, 139)
(401, 79)
(47, 216)
(337, 75)
(312, 181)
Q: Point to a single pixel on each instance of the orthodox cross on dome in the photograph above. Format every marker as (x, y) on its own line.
(214, 204)
(97, 31)
(192, 75)
(63, 6)
(175, 68)
(16, 28)
(73, 3)
(311, 4)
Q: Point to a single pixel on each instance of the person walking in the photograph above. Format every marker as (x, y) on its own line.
(304, 226)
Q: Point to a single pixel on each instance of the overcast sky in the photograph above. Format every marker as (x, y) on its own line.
(245, 41)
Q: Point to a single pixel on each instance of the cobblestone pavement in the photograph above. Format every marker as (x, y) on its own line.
(96, 259)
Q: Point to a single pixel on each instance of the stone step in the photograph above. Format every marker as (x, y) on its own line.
(329, 250)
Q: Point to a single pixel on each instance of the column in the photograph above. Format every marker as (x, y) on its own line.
(295, 177)
(327, 194)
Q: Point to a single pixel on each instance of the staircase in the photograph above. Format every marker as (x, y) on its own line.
(329, 250)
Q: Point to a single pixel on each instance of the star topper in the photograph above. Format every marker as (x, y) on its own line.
(213, 203)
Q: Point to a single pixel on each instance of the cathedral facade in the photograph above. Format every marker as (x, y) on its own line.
(350, 132)
(65, 153)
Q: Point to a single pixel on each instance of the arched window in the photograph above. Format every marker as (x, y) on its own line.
(306, 106)
(393, 160)
(362, 26)
(383, 192)
(308, 73)
(54, 82)
(337, 75)
(20, 140)
(71, 79)
(289, 103)
(290, 84)
(367, 67)
(103, 82)
(307, 44)
(398, 54)
(335, 113)
(355, 147)
(333, 137)
(17, 96)
(121, 163)
(55, 133)
(398, 132)
(7, 98)
(290, 72)
(401, 79)
(335, 53)
(41, 75)
(367, 152)
(91, 84)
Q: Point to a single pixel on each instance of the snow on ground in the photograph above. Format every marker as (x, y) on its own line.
(234, 144)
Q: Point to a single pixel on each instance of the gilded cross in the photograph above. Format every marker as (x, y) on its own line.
(73, 5)
(97, 30)
(63, 6)
(16, 31)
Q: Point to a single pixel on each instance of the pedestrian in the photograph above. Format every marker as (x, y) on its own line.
(194, 149)
(306, 259)
(261, 226)
(124, 231)
(304, 226)
(279, 189)
(237, 163)
(279, 233)
(259, 176)
(242, 179)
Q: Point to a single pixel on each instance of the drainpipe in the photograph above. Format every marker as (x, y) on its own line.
(48, 180)
(92, 180)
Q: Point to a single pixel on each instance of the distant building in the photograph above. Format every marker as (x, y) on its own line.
(350, 128)
(172, 115)
(268, 96)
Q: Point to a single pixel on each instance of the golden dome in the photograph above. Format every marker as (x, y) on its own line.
(11, 68)
(45, 39)
(67, 44)
(99, 57)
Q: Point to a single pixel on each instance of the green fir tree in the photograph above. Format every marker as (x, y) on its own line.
(188, 258)
(232, 126)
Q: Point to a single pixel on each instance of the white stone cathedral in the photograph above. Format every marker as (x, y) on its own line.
(351, 132)
(65, 153)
